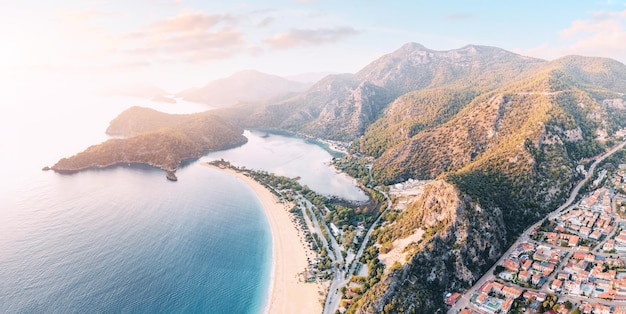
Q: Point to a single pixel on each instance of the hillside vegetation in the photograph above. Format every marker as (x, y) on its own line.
(155, 138)
(341, 107)
(501, 134)
(510, 155)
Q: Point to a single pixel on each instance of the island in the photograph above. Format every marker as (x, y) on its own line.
(161, 140)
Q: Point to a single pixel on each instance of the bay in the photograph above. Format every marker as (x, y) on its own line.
(124, 239)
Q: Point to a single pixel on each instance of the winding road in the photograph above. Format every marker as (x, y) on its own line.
(464, 301)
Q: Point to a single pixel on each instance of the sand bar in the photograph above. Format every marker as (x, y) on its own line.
(289, 293)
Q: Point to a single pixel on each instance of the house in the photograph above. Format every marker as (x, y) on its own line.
(556, 285)
(609, 245)
(524, 276)
(527, 264)
(595, 235)
(512, 292)
(539, 296)
(480, 299)
(506, 275)
(621, 238)
(486, 287)
(573, 240)
(562, 275)
(601, 309)
(544, 267)
(562, 309)
(511, 265)
(585, 308)
(605, 285)
(506, 306)
(585, 231)
(581, 276)
(453, 298)
(579, 255)
(526, 247)
(542, 254)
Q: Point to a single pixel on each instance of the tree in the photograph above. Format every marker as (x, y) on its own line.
(568, 305)
(498, 270)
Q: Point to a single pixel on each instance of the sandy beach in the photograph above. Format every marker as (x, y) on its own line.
(289, 293)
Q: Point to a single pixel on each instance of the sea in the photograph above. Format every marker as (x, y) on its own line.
(125, 239)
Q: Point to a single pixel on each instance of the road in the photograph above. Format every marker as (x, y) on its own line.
(334, 295)
(525, 236)
(317, 229)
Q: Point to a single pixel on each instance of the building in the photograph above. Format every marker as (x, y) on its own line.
(524, 276)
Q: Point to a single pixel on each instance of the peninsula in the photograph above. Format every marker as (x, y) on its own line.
(161, 140)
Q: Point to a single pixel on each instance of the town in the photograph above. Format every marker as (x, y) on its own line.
(573, 262)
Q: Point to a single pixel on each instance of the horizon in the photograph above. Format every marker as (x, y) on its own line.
(183, 44)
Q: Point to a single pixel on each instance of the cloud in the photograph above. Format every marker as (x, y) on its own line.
(305, 37)
(193, 37)
(191, 22)
(266, 22)
(603, 35)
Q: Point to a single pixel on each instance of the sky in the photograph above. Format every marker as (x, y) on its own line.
(177, 44)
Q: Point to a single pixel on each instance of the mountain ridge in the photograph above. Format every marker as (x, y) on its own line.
(242, 87)
(410, 68)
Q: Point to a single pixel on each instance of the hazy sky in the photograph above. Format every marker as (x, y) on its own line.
(183, 43)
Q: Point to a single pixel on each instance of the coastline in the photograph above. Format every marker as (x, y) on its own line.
(288, 293)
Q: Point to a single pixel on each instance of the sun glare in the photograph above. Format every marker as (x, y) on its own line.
(10, 53)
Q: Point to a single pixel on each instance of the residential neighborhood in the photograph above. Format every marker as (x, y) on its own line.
(575, 258)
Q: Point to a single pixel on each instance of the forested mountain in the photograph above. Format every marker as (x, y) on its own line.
(342, 106)
(155, 138)
(500, 133)
(503, 158)
(243, 87)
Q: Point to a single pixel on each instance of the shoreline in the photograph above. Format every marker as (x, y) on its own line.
(287, 293)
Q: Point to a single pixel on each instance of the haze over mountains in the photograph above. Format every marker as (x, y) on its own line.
(243, 87)
(500, 133)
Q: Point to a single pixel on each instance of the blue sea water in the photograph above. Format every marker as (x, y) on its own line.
(127, 240)
(124, 239)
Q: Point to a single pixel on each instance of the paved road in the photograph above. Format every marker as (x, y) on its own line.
(318, 230)
(525, 236)
(334, 295)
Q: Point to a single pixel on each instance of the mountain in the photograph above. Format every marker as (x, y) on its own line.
(242, 87)
(341, 107)
(499, 133)
(502, 158)
(157, 139)
(309, 78)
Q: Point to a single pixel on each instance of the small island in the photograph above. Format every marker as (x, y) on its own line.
(157, 139)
